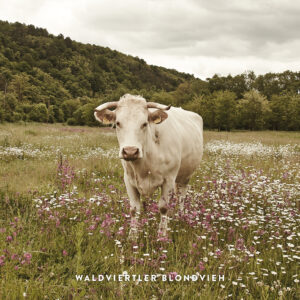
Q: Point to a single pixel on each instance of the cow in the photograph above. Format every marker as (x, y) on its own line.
(160, 146)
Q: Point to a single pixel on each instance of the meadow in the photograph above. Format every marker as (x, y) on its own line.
(64, 212)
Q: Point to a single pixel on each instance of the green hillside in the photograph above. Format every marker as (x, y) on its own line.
(38, 67)
(47, 78)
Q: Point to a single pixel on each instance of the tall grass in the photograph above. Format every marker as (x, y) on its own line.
(64, 211)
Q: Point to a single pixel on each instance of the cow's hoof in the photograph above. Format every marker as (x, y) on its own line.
(133, 234)
(162, 233)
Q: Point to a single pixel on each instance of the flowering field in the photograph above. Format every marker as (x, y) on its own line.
(64, 212)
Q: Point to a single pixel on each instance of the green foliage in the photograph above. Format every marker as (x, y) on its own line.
(285, 112)
(253, 111)
(65, 80)
(85, 115)
(204, 106)
(39, 113)
(225, 108)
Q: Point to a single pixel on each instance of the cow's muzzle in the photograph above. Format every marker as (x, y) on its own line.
(130, 153)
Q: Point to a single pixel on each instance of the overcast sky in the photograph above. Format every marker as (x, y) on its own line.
(202, 37)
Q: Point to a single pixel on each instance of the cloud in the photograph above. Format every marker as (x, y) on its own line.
(198, 36)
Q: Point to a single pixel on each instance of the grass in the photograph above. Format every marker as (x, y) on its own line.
(64, 211)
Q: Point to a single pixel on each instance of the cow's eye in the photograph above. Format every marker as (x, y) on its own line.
(144, 125)
(118, 124)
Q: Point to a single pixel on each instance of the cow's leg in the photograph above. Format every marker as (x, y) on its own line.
(181, 190)
(135, 208)
(167, 191)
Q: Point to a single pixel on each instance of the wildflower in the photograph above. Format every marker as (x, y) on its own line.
(93, 227)
(2, 258)
(14, 256)
(201, 266)
(172, 275)
(273, 272)
(9, 238)
(27, 257)
(65, 253)
(239, 244)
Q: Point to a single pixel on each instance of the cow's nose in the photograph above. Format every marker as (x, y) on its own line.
(130, 153)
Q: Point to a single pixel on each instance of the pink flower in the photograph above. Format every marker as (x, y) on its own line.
(92, 227)
(239, 244)
(9, 238)
(172, 275)
(107, 221)
(2, 258)
(201, 266)
(27, 257)
(14, 256)
(65, 253)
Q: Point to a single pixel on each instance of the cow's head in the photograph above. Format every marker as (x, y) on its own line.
(132, 117)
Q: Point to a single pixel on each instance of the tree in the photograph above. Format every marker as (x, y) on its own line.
(39, 113)
(163, 98)
(285, 112)
(294, 113)
(225, 109)
(205, 106)
(5, 78)
(69, 107)
(19, 84)
(253, 110)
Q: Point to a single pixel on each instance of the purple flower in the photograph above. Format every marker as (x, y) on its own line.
(201, 266)
(172, 275)
(239, 244)
(92, 227)
(2, 258)
(27, 257)
(14, 256)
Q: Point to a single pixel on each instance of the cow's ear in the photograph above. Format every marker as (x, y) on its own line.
(157, 116)
(105, 116)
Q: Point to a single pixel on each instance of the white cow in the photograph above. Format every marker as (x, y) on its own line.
(159, 147)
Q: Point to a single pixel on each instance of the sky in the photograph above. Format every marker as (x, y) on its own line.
(200, 37)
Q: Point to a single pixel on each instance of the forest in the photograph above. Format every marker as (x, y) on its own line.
(47, 78)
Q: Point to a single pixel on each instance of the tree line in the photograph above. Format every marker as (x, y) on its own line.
(47, 78)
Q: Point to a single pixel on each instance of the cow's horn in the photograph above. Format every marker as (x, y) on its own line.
(157, 105)
(107, 105)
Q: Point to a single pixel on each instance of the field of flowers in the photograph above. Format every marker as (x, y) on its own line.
(64, 212)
